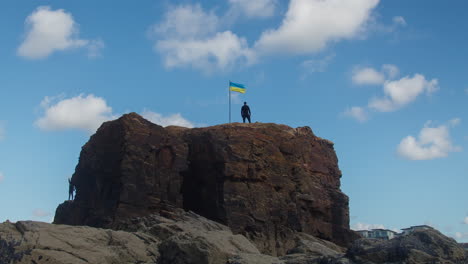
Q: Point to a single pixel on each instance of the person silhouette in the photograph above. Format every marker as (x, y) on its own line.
(71, 189)
(245, 112)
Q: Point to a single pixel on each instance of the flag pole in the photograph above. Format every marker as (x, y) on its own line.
(229, 90)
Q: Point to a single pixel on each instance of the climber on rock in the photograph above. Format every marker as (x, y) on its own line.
(245, 112)
(71, 189)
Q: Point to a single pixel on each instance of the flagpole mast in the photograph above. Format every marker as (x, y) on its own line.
(229, 89)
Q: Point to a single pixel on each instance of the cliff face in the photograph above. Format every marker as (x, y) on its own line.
(265, 181)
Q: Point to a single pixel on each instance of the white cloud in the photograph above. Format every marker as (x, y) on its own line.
(364, 226)
(80, 112)
(40, 213)
(171, 120)
(2, 177)
(222, 51)
(465, 221)
(189, 36)
(399, 20)
(255, 8)
(368, 76)
(357, 113)
(48, 31)
(309, 25)
(401, 92)
(187, 21)
(432, 143)
(391, 71)
(397, 93)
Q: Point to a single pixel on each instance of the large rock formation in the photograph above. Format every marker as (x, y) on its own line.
(429, 246)
(264, 181)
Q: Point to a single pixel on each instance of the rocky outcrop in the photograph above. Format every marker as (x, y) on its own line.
(179, 238)
(182, 237)
(264, 181)
(36, 242)
(429, 246)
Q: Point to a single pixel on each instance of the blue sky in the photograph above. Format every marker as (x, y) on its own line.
(385, 80)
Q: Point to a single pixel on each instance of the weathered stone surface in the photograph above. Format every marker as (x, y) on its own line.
(428, 246)
(179, 238)
(307, 244)
(36, 242)
(245, 258)
(265, 181)
(189, 238)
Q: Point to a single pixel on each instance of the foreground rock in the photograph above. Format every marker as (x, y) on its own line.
(179, 237)
(429, 246)
(265, 181)
(189, 238)
(36, 242)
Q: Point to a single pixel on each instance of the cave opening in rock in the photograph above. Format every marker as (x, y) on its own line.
(202, 190)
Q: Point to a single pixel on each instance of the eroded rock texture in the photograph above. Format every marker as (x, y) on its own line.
(428, 246)
(265, 181)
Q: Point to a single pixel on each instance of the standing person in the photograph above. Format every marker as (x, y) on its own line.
(245, 112)
(71, 189)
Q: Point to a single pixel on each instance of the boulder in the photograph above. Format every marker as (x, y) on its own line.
(428, 246)
(189, 238)
(264, 181)
(35, 242)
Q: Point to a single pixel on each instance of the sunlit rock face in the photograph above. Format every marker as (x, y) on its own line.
(265, 181)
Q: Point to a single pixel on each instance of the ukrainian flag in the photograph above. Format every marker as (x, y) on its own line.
(236, 87)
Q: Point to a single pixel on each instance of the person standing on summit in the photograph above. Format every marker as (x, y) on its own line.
(245, 112)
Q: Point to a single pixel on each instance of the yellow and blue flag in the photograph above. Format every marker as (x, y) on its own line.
(236, 87)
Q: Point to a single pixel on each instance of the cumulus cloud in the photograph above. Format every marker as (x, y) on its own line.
(309, 25)
(432, 143)
(189, 36)
(364, 226)
(401, 92)
(222, 51)
(2, 177)
(371, 76)
(48, 31)
(255, 8)
(187, 21)
(397, 92)
(81, 112)
(368, 76)
(171, 120)
(465, 221)
(357, 113)
(390, 71)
